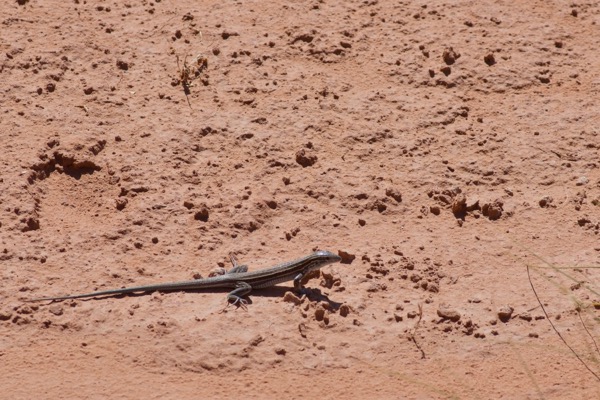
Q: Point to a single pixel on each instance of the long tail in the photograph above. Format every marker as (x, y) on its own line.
(189, 285)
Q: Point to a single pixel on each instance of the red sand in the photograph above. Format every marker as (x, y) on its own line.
(447, 146)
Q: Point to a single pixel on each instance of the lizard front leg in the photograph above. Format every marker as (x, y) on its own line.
(236, 268)
(298, 284)
(298, 287)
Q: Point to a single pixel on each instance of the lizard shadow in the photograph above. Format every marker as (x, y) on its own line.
(275, 291)
(313, 294)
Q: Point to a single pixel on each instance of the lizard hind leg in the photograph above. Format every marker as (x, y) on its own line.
(235, 297)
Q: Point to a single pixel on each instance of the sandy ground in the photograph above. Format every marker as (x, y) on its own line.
(448, 150)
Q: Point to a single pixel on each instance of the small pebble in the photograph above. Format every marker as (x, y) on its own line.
(505, 312)
(526, 316)
(290, 297)
(280, 351)
(446, 312)
(56, 309)
(5, 315)
(412, 314)
(344, 310)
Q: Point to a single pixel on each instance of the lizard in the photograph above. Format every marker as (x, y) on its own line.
(238, 278)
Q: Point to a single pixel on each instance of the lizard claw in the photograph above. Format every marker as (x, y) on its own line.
(240, 302)
(236, 301)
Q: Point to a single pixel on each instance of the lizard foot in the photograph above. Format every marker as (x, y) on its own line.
(235, 301)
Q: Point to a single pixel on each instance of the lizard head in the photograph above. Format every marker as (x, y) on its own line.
(322, 258)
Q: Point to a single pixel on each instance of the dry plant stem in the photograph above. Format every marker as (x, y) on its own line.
(189, 72)
(412, 334)
(556, 330)
(586, 329)
(159, 29)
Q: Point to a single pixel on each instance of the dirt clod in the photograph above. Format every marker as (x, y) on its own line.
(450, 56)
(347, 257)
(5, 315)
(459, 206)
(121, 203)
(446, 312)
(546, 201)
(123, 65)
(489, 59)
(306, 158)
(395, 194)
(505, 313)
(56, 309)
(493, 210)
(201, 215)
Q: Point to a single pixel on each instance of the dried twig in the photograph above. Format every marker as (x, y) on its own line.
(159, 29)
(190, 72)
(412, 334)
(586, 329)
(556, 330)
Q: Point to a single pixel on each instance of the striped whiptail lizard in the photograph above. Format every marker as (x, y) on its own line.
(238, 278)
